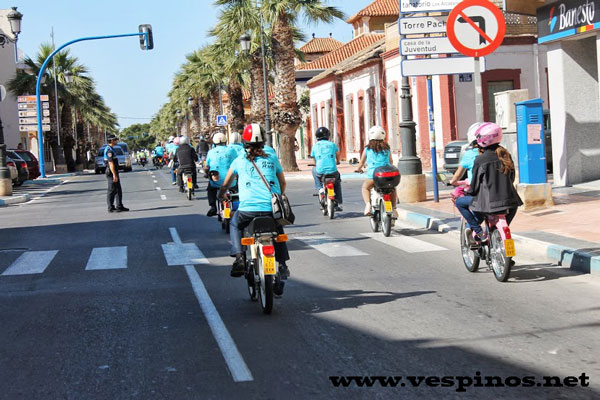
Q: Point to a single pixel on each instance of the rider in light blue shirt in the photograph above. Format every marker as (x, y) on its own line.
(255, 197)
(327, 157)
(235, 143)
(377, 154)
(218, 161)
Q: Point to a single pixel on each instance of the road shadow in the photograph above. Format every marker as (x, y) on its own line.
(342, 299)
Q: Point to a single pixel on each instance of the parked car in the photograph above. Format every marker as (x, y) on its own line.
(453, 153)
(32, 163)
(100, 165)
(14, 174)
(23, 171)
(128, 160)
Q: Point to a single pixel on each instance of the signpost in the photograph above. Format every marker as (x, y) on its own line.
(422, 25)
(476, 28)
(417, 6)
(28, 116)
(440, 66)
(222, 120)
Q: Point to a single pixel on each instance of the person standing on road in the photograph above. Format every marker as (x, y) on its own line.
(185, 156)
(218, 162)
(327, 157)
(377, 154)
(112, 176)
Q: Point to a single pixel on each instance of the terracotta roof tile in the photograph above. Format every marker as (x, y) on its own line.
(321, 45)
(378, 8)
(335, 57)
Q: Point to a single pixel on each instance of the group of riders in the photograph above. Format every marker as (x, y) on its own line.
(487, 167)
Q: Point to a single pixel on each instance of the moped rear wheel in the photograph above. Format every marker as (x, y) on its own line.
(470, 256)
(265, 290)
(374, 220)
(386, 220)
(500, 263)
(250, 273)
(330, 208)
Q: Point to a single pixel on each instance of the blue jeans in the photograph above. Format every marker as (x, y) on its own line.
(240, 220)
(173, 176)
(337, 186)
(473, 219)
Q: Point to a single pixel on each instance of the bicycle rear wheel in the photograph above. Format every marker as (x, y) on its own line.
(500, 263)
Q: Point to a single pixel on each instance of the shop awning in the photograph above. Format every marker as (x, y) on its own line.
(527, 7)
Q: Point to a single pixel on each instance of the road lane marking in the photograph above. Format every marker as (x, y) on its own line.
(31, 262)
(405, 243)
(331, 247)
(237, 366)
(157, 188)
(155, 181)
(183, 254)
(107, 258)
(163, 197)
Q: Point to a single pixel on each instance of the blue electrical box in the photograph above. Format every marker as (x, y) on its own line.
(530, 141)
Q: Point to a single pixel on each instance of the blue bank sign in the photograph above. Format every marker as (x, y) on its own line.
(567, 18)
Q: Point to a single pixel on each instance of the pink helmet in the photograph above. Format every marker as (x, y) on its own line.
(176, 141)
(488, 134)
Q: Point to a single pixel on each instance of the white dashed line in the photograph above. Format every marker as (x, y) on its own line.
(155, 181)
(159, 189)
(163, 197)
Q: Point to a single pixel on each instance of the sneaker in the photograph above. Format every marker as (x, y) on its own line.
(112, 209)
(173, 183)
(367, 209)
(339, 208)
(212, 212)
(512, 263)
(237, 269)
(479, 238)
(395, 213)
(122, 209)
(470, 238)
(284, 271)
(315, 194)
(181, 190)
(196, 187)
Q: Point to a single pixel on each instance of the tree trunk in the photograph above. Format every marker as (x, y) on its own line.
(213, 111)
(257, 87)
(204, 116)
(236, 106)
(195, 118)
(286, 114)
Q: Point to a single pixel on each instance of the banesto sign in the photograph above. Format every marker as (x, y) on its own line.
(559, 19)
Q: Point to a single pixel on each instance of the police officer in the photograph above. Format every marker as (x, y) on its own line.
(112, 176)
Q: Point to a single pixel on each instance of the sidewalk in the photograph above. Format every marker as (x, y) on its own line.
(19, 197)
(567, 233)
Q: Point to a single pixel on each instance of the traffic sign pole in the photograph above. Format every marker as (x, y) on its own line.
(478, 92)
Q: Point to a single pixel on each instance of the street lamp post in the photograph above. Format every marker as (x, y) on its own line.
(189, 112)
(14, 18)
(245, 44)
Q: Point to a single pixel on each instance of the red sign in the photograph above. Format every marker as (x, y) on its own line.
(476, 27)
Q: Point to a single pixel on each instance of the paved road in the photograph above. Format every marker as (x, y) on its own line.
(76, 327)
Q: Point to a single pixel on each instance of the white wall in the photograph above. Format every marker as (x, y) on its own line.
(8, 107)
(506, 57)
(352, 84)
(321, 93)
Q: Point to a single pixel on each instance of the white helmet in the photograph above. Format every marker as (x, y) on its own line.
(184, 140)
(235, 137)
(253, 133)
(376, 133)
(219, 138)
(171, 138)
(472, 130)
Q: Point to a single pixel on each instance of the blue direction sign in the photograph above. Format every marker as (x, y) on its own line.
(222, 120)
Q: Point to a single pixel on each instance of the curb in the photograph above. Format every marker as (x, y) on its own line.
(23, 198)
(43, 181)
(582, 260)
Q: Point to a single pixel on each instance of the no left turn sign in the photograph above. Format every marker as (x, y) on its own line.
(476, 27)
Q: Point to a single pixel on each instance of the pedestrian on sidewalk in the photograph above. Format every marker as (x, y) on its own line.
(112, 177)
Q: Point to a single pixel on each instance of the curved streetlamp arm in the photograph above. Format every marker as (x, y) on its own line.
(39, 82)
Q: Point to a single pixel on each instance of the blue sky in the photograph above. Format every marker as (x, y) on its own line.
(134, 83)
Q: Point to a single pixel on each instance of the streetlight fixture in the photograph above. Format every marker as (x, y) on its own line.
(68, 77)
(245, 45)
(14, 18)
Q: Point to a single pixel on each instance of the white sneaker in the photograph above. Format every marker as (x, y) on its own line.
(368, 209)
(173, 183)
(395, 213)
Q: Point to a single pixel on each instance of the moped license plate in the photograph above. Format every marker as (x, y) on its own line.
(189, 185)
(388, 206)
(330, 192)
(509, 248)
(227, 213)
(269, 265)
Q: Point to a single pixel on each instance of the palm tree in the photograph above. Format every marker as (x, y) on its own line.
(283, 15)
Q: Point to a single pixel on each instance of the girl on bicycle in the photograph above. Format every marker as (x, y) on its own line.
(492, 183)
(376, 154)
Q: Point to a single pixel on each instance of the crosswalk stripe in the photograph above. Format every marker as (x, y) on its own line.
(405, 243)
(31, 262)
(331, 247)
(183, 254)
(107, 258)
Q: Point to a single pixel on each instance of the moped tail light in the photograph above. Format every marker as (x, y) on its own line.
(247, 241)
(506, 230)
(387, 197)
(281, 238)
(189, 179)
(268, 251)
(330, 185)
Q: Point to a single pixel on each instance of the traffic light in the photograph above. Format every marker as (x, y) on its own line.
(146, 40)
